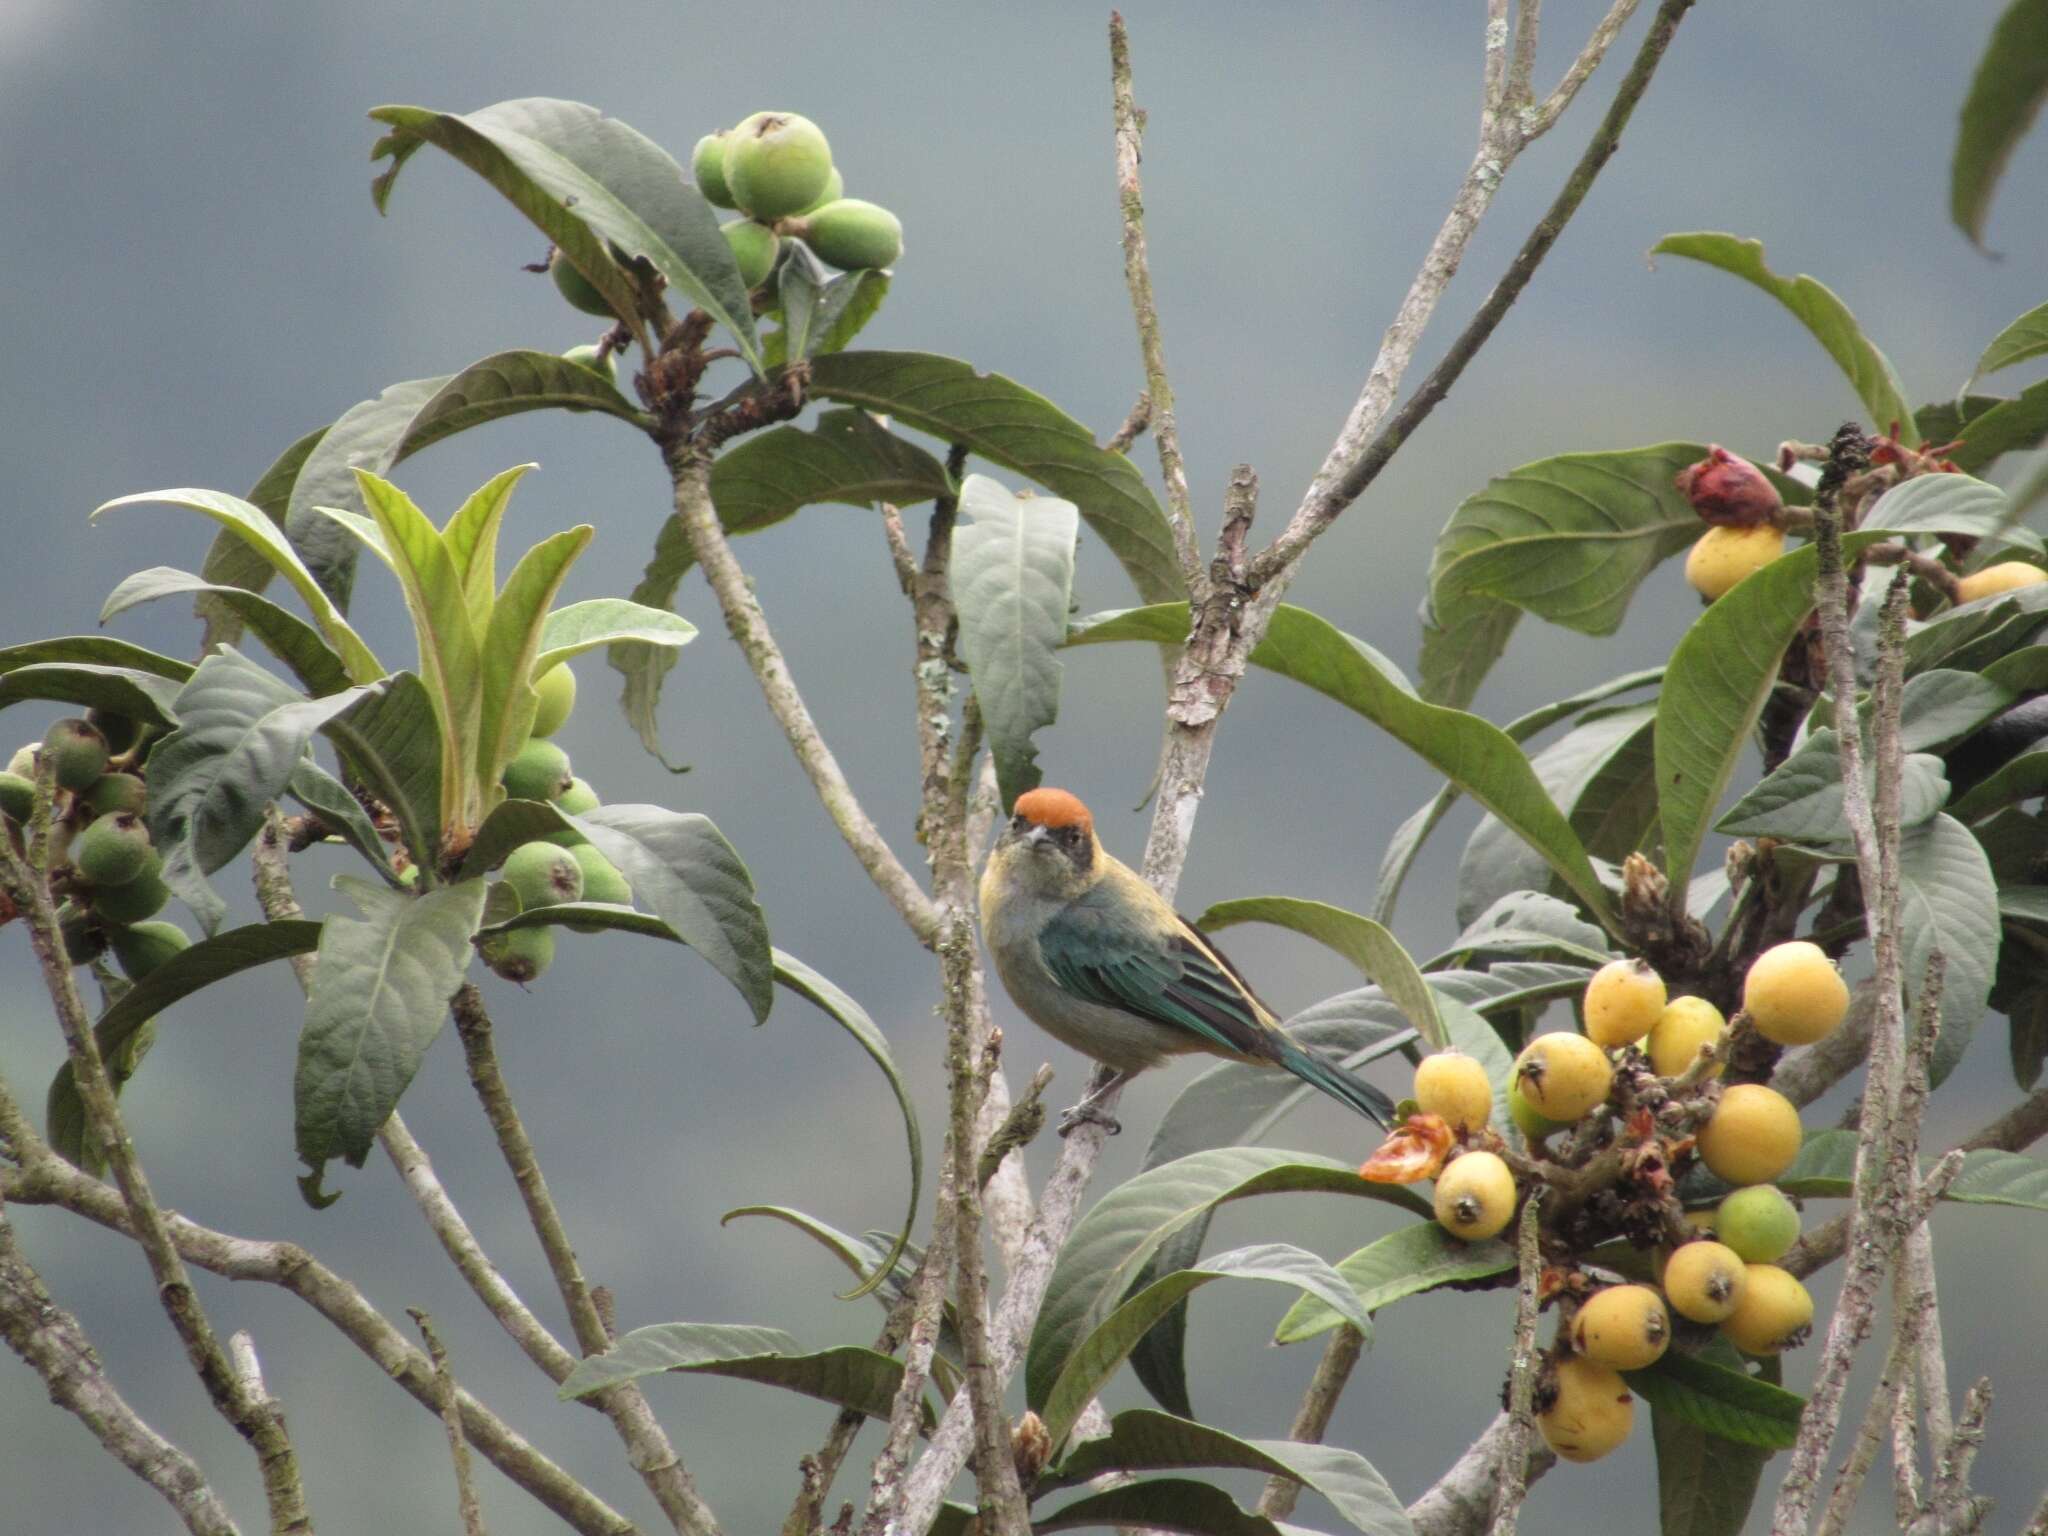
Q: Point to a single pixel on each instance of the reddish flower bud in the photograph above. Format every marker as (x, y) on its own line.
(1730, 492)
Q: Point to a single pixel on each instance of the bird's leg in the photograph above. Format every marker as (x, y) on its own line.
(1089, 1111)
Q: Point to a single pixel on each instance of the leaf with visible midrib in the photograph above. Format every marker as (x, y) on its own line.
(291, 639)
(1404, 1263)
(1365, 943)
(2005, 94)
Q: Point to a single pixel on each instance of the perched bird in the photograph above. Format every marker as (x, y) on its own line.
(1094, 957)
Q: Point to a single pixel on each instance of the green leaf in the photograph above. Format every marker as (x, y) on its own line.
(1165, 1504)
(507, 826)
(184, 973)
(1948, 901)
(1942, 504)
(1404, 1263)
(1527, 923)
(1365, 943)
(1012, 580)
(143, 696)
(391, 744)
(1826, 1169)
(507, 659)
(2011, 426)
(2005, 95)
(1023, 432)
(380, 989)
(1471, 752)
(1567, 538)
(471, 537)
(2027, 336)
(291, 639)
(845, 307)
(2026, 903)
(1826, 317)
(232, 562)
(1143, 1441)
(1979, 636)
(1705, 1485)
(1800, 801)
(99, 651)
(586, 180)
(1096, 1358)
(255, 529)
(321, 793)
(584, 626)
(1726, 1402)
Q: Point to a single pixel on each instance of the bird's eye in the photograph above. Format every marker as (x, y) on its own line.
(1016, 823)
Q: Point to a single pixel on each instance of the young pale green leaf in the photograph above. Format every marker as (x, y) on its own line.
(1365, 943)
(1825, 317)
(145, 696)
(380, 989)
(1724, 1401)
(2005, 95)
(321, 793)
(471, 536)
(1510, 985)
(507, 657)
(291, 639)
(1404, 1263)
(861, 1379)
(254, 528)
(1948, 901)
(391, 744)
(1826, 1169)
(1012, 577)
(1143, 1441)
(843, 307)
(1527, 923)
(2026, 337)
(1473, 753)
(232, 562)
(600, 621)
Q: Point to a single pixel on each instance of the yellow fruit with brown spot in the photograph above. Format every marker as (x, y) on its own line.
(1623, 1001)
(1591, 1413)
(1753, 1135)
(1704, 1281)
(1454, 1086)
(1624, 1326)
(1724, 556)
(1793, 993)
(1563, 1075)
(1475, 1196)
(2007, 576)
(1685, 1025)
(1775, 1312)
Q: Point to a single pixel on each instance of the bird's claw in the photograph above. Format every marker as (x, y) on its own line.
(1086, 1113)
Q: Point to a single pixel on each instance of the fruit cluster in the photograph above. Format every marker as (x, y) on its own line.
(1633, 1101)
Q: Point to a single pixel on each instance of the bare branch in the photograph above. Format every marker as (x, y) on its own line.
(1514, 1450)
(1539, 119)
(1312, 1418)
(1460, 1502)
(1137, 421)
(1522, 67)
(458, 1448)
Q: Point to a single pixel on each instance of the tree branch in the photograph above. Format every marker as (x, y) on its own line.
(1514, 1449)
(458, 1449)
(1460, 1502)
(1541, 117)
(1312, 1418)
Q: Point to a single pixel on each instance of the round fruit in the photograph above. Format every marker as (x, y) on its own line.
(80, 752)
(1758, 1223)
(753, 247)
(1475, 1196)
(776, 163)
(586, 356)
(114, 792)
(114, 850)
(1775, 1312)
(707, 164)
(2009, 576)
(1622, 1003)
(538, 771)
(601, 878)
(1532, 1125)
(542, 874)
(1704, 1281)
(577, 798)
(520, 954)
(854, 236)
(1591, 1414)
(23, 764)
(835, 189)
(1454, 1086)
(1753, 1135)
(557, 690)
(121, 731)
(144, 896)
(17, 797)
(1793, 994)
(1624, 1326)
(84, 939)
(1562, 1075)
(1723, 556)
(145, 946)
(1685, 1025)
(576, 288)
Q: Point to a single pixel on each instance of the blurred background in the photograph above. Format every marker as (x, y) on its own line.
(197, 277)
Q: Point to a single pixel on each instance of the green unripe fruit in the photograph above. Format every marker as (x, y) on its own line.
(854, 236)
(80, 752)
(145, 946)
(601, 878)
(539, 771)
(776, 163)
(1759, 1223)
(753, 247)
(520, 954)
(84, 939)
(835, 188)
(144, 896)
(574, 801)
(707, 164)
(557, 690)
(23, 764)
(114, 850)
(113, 793)
(542, 874)
(1532, 1124)
(121, 731)
(586, 356)
(576, 288)
(17, 797)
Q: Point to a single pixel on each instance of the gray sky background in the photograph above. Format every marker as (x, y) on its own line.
(197, 277)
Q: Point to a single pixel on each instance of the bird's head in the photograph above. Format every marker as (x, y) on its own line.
(1049, 845)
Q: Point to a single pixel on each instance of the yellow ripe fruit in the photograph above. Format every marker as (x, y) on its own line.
(1704, 1281)
(1686, 1024)
(1623, 1001)
(2009, 576)
(1624, 1326)
(1753, 1135)
(1454, 1085)
(1793, 993)
(1592, 1414)
(1723, 556)
(1475, 1196)
(1774, 1313)
(1562, 1076)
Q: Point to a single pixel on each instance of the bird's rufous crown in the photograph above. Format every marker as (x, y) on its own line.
(1053, 808)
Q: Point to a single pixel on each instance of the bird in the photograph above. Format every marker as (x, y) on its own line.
(1097, 959)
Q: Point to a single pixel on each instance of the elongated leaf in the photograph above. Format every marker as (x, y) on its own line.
(1013, 581)
(1949, 901)
(1095, 1359)
(2005, 95)
(1404, 1263)
(585, 179)
(389, 740)
(232, 562)
(1705, 1485)
(2026, 337)
(1826, 1168)
(1160, 1503)
(329, 799)
(1365, 943)
(507, 659)
(2011, 426)
(1510, 985)
(1009, 425)
(291, 639)
(2027, 903)
(580, 627)
(184, 973)
(380, 989)
(1474, 753)
(471, 538)
(1800, 801)
(94, 651)
(143, 696)
(1942, 504)
(853, 1378)
(1825, 317)
(1727, 1402)
(1527, 923)
(1567, 538)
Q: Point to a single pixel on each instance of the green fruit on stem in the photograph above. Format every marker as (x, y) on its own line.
(586, 356)
(144, 896)
(576, 288)
(80, 752)
(574, 801)
(776, 163)
(23, 764)
(520, 955)
(707, 164)
(112, 793)
(853, 235)
(538, 771)
(557, 690)
(121, 731)
(542, 875)
(835, 188)
(145, 946)
(1758, 1223)
(17, 797)
(601, 878)
(753, 248)
(114, 850)
(1532, 1124)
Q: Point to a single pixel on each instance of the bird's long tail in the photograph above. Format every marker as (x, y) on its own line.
(1319, 1072)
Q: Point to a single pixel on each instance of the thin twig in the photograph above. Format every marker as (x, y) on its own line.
(1312, 1418)
(887, 1487)
(1541, 116)
(1884, 1403)
(458, 1448)
(1514, 1451)
(1139, 418)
